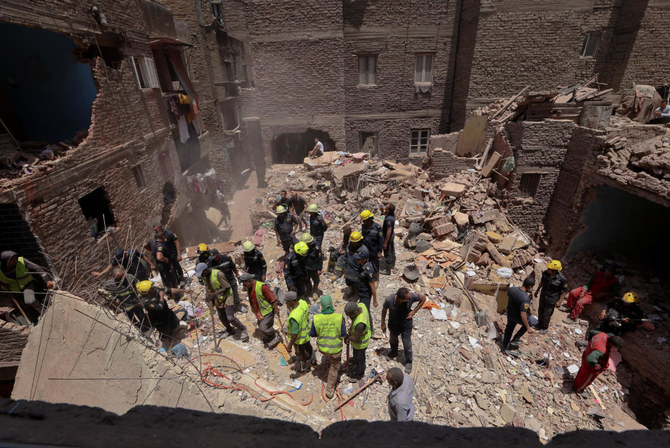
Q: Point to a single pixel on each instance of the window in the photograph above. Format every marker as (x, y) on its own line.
(216, 11)
(367, 70)
(423, 73)
(95, 207)
(145, 72)
(529, 184)
(139, 176)
(229, 113)
(590, 45)
(419, 141)
(566, 188)
(369, 142)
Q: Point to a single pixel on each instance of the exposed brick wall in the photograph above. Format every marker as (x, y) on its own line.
(14, 337)
(446, 163)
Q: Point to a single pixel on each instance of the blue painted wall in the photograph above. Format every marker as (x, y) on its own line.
(50, 94)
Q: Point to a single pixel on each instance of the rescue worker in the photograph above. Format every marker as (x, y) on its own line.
(173, 246)
(161, 317)
(203, 253)
(264, 305)
(130, 260)
(122, 288)
(366, 286)
(373, 237)
(254, 261)
(352, 266)
(295, 269)
(225, 264)
(603, 284)
(552, 290)
(518, 313)
(163, 262)
(313, 265)
(388, 229)
(329, 330)
(359, 337)
(220, 295)
(622, 315)
(317, 225)
(298, 333)
(399, 308)
(28, 282)
(595, 358)
(285, 226)
(298, 204)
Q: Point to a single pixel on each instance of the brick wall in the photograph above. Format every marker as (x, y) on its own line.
(14, 337)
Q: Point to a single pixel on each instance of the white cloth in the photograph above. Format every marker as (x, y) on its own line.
(665, 112)
(319, 147)
(183, 129)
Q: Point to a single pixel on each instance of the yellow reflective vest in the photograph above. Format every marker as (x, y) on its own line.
(22, 278)
(300, 314)
(364, 318)
(216, 284)
(329, 332)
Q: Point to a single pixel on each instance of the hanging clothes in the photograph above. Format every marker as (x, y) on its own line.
(183, 129)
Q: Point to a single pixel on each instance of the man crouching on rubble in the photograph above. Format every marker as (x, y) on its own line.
(161, 317)
(264, 305)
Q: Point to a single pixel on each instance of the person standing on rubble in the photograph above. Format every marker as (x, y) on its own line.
(399, 308)
(163, 262)
(313, 265)
(173, 246)
(366, 287)
(372, 237)
(388, 229)
(285, 227)
(254, 261)
(298, 333)
(122, 290)
(220, 296)
(297, 204)
(264, 305)
(295, 269)
(358, 336)
(27, 282)
(352, 267)
(329, 330)
(518, 311)
(400, 399)
(130, 260)
(595, 358)
(282, 199)
(317, 225)
(225, 264)
(602, 285)
(552, 291)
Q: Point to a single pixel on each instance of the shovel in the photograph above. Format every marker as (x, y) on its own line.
(480, 315)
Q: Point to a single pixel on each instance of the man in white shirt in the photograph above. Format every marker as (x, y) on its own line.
(661, 115)
(317, 151)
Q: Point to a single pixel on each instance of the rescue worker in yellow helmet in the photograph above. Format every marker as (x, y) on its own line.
(356, 251)
(313, 265)
(203, 253)
(254, 261)
(329, 329)
(298, 333)
(552, 290)
(295, 269)
(622, 315)
(373, 238)
(161, 317)
(285, 227)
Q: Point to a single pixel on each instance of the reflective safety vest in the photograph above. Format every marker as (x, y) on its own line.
(263, 304)
(364, 318)
(329, 332)
(214, 280)
(300, 314)
(22, 278)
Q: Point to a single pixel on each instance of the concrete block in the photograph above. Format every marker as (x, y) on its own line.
(452, 189)
(461, 219)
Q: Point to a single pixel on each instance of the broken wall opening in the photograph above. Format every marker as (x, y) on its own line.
(619, 223)
(16, 235)
(294, 147)
(44, 94)
(97, 211)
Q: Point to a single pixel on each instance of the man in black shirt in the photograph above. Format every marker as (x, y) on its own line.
(129, 259)
(254, 261)
(298, 204)
(621, 315)
(122, 290)
(317, 225)
(552, 290)
(313, 265)
(285, 226)
(163, 262)
(399, 308)
(388, 235)
(225, 264)
(518, 309)
(173, 246)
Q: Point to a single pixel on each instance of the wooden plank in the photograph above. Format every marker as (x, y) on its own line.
(510, 101)
(225, 247)
(471, 138)
(491, 164)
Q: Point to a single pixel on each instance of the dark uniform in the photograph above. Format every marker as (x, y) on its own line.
(351, 267)
(313, 265)
(161, 317)
(389, 252)
(615, 312)
(299, 204)
(317, 228)
(171, 245)
(284, 227)
(131, 263)
(254, 263)
(399, 325)
(374, 241)
(225, 264)
(552, 287)
(124, 292)
(165, 269)
(366, 275)
(295, 273)
(518, 302)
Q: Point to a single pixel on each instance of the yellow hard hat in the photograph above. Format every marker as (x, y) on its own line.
(144, 286)
(355, 236)
(306, 238)
(366, 214)
(312, 208)
(281, 209)
(202, 247)
(248, 246)
(630, 297)
(301, 248)
(555, 265)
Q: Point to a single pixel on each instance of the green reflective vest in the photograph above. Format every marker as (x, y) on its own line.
(214, 280)
(22, 278)
(300, 314)
(364, 318)
(329, 332)
(263, 304)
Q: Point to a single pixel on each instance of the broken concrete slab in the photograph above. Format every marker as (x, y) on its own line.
(452, 189)
(461, 219)
(485, 216)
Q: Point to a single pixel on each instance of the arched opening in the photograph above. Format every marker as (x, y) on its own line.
(294, 147)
